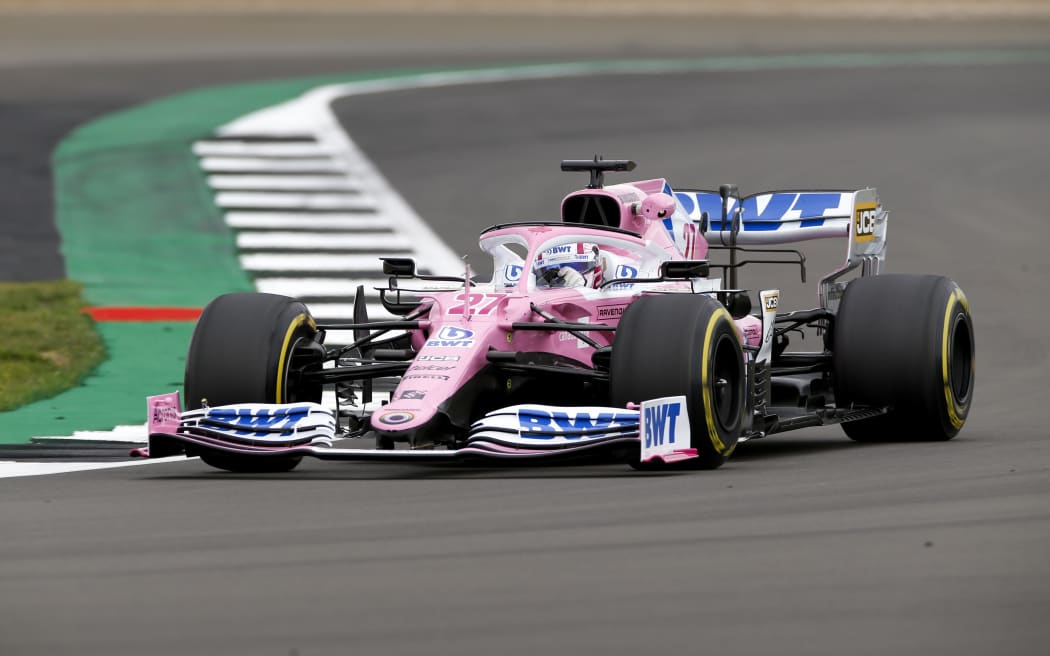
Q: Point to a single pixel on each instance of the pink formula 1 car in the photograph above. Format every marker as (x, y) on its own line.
(601, 336)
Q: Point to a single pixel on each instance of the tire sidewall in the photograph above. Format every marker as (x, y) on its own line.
(905, 342)
(678, 344)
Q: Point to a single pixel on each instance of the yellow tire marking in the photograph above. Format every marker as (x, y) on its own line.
(292, 327)
(953, 413)
(712, 429)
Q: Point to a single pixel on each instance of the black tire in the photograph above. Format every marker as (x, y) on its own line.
(906, 342)
(244, 348)
(684, 344)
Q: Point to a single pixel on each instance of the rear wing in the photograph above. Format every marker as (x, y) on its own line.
(780, 217)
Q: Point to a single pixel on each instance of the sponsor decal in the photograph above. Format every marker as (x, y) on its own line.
(623, 271)
(163, 412)
(261, 419)
(452, 337)
(771, 301)
(394, 418)
(568, 255)
(568, 422)
(512, 274)
(763, 212)
(430, 367)
(660, 423)
(864, 222)
(555, 250)
(412, 395)
(611, 311)
(437, 358)
(664, 430)
(425, 377)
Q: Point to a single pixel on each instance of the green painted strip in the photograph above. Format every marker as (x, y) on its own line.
(139, 227)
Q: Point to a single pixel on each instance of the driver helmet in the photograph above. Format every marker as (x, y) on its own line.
(578, 257)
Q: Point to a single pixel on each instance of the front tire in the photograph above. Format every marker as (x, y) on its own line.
(250, 348)
(905, 342)
(684, 344)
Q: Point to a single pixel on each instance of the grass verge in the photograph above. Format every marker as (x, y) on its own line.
(46, 344)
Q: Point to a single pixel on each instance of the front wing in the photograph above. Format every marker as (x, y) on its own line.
(525, 433)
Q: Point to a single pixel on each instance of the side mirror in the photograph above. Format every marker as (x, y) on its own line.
(684, 269)
(399, 266)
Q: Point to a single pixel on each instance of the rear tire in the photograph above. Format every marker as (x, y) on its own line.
(906, 342)
(249, 348)
(684, 344)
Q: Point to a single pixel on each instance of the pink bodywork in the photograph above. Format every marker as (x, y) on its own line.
(462, 326)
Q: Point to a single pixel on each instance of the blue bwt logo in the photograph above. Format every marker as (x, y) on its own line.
(660, 421)
(454, 337)
(626, 271)
(548, 424)
(261, 420)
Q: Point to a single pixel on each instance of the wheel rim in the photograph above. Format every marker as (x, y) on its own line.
(960, 359)
(298, 361)
(725, 379)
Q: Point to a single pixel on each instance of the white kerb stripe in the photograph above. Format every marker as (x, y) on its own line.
(319, 241)
(313, 262)
(283, 182)
(262, 165)
(346, 310)
(279, 200)
(326, 287)
(257, 149)
(304, 220)
(16, 469)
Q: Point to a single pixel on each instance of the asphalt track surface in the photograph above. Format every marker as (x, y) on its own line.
(804, 543)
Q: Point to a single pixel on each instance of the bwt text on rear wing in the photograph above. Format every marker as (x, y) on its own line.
(783, 217)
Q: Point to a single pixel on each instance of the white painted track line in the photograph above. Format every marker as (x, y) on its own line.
(304, 221)
(322, 287)
(264, 165)
(252, 149)
(345, 311)
(371, 242)
(291, 200)
(282, 183)
(14, 469)
(350, 262)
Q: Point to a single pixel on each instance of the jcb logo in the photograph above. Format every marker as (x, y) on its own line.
(771, 301)
(864, 226)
